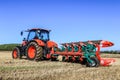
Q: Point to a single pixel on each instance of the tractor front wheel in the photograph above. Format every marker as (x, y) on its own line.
(34, 51)
(16, 53)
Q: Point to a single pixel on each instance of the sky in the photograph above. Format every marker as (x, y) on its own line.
(68, 20)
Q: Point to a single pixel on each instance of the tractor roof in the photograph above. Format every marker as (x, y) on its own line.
(38, 29)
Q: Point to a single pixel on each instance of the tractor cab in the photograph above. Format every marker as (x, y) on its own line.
(37, 33)
(41, 34)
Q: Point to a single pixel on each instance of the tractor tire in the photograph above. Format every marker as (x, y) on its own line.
(95, 63)
(34, 51)
(16, 53)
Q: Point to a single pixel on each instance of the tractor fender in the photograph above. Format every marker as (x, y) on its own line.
(51, 44)
(39, 42)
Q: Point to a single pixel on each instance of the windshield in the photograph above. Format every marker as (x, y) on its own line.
(31, 35)
(43, 35)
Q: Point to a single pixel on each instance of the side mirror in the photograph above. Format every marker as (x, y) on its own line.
(21, 33)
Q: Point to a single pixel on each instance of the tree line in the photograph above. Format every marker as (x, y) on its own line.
(111, 51)
(8, 47)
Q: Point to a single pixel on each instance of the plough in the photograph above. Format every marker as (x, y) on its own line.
(87, 52)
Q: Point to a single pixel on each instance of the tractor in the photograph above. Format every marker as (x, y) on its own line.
(37, 46)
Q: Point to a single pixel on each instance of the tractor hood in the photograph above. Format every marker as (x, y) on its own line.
(51, 44)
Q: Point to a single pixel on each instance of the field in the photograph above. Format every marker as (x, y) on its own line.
(11, 69)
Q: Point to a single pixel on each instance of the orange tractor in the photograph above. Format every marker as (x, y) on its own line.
(38, 46)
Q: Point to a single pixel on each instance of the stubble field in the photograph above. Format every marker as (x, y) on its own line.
(15, 69)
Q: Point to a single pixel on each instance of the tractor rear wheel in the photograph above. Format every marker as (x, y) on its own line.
(34, 51)
(95, 62)
(16, 53)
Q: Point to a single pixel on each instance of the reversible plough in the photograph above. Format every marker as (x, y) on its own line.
(87, 52)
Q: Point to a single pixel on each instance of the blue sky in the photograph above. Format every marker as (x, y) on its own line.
(69, 20)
